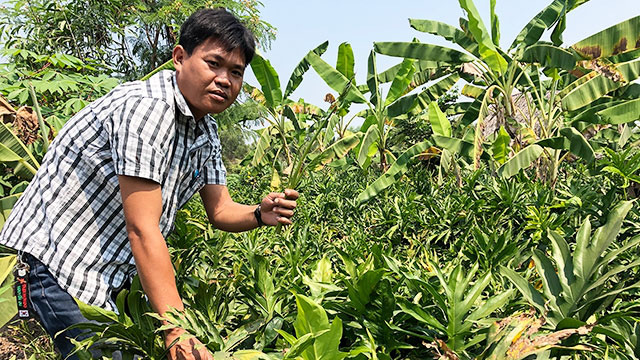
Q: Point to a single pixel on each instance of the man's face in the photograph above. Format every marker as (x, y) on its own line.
(210, 78)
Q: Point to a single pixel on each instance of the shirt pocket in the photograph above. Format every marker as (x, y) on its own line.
(193, 178)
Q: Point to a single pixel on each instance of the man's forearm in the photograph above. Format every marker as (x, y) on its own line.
(235, 217)
(155, 270)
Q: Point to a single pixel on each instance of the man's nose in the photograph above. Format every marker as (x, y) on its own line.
(222, 79)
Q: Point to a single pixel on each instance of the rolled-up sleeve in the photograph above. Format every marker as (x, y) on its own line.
(139, 138)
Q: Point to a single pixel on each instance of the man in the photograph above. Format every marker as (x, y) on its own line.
(108, 189)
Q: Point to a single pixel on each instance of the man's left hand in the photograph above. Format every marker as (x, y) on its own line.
(277, 208)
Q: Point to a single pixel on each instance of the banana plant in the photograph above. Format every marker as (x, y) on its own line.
(576, 78)
(442, 130)
(381, 111)
(580, 283)
(483, 63)
(574, 101)
(288, 122)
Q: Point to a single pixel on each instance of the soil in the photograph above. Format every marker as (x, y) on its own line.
(20, 341)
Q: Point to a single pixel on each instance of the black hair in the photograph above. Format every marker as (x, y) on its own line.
(222, 27)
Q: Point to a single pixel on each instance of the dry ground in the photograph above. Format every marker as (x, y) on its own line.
(24, 339)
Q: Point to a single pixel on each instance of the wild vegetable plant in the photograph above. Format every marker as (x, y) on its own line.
(580, 283)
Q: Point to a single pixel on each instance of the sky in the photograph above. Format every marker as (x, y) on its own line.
(302, 25)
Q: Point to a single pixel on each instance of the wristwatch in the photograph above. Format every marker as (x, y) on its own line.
(258, 215)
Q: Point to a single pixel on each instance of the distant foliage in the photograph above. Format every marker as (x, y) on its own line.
(125, 39)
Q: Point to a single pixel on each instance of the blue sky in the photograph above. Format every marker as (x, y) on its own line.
(302, 25)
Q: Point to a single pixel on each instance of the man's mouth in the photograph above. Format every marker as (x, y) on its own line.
(219, 93)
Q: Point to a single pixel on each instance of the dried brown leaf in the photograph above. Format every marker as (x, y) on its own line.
(604, 68)
(5, 107)
(525, 345)
(26, 125)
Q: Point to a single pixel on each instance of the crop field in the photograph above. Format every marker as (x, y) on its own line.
(484, 207)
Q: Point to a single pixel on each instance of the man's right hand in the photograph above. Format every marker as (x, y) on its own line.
(190, 349)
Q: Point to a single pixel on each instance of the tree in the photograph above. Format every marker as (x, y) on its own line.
(125, 39)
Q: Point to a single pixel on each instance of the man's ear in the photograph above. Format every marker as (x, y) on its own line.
(178, 55)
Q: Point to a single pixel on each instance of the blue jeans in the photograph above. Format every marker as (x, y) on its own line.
(54, 307)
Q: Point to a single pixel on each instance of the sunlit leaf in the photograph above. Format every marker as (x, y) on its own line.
(420, 51)
(395, 172)
(521, 160)
(439, 122)
(486, 47)
(615, 40)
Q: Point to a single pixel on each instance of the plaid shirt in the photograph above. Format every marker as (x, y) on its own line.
(70, 216)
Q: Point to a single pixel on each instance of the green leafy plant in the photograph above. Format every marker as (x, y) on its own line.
(456, 311)
(8, 308)
(580, 283)
(316, 338)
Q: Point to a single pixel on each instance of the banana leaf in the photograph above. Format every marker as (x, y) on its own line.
(262, 146)
(500, 146)
(336, 151)
(345, 63)
(495, 24)
(544, 20)
(622, 113)
(447, 31)
(395, 172)
(488, 51)
(401, 81)
(373, 83)
(426, 69)
(419, 51)
(458, 146)
(296, 76)
(334, 78)
(434, 92)
(521, 160)
(268, 79)
(579, 146)
(593, 86)
(618, 39)
(472, 91)
(439, 122)
(549, 56)
(368, 146)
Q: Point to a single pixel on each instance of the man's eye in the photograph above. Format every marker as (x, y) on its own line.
(237, 73)
(213, 63)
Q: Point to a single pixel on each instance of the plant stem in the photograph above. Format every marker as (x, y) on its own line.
(43, 129)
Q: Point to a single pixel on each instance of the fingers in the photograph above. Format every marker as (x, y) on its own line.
(274, 195)
(200, 351)
(284, 220)
(278, 208)
(291, 194)
(190, 349)
(287, 204)
(283, 211)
